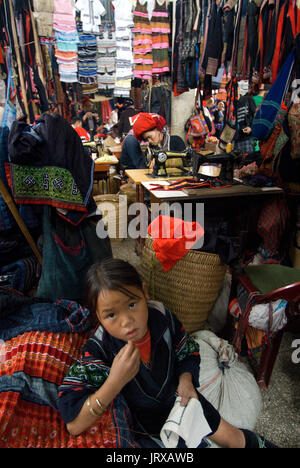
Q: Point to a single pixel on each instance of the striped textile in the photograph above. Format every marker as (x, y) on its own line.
(160, 26)
(142, 42)
(32, 366)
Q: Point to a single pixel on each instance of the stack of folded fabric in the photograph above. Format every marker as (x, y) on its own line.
(106, 61)
(87, 63)
(124, 58)
(66, 36)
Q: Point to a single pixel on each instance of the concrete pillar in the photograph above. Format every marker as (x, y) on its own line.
(181, 108)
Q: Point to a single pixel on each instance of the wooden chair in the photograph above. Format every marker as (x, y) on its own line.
(290, 293)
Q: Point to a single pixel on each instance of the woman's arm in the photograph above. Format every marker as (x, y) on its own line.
(186, 389)
(124, 368)
(106, 393)
(186, 350)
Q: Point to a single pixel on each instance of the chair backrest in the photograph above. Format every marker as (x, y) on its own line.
(290, 293)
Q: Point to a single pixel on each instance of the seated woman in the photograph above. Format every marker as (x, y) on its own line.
(89, 118)
(151, 128)
(132, 156)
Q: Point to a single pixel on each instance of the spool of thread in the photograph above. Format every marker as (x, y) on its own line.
(228, 147)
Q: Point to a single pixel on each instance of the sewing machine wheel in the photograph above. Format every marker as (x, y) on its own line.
(161, 157)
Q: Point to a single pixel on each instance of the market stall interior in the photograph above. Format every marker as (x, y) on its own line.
(164, 133)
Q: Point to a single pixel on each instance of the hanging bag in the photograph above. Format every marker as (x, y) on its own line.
(196, 125)
(294, 110)
(229, 129)
(264, 120)
(294, 126)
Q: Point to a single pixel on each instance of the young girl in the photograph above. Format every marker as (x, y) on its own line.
(141, 350)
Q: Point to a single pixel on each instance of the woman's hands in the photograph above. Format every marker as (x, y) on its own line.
(186, 389)
(125, 365)
(90, 114)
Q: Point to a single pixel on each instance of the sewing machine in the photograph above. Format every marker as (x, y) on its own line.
(201, 165)
(206, 164)
(163, 157)
(94, 148)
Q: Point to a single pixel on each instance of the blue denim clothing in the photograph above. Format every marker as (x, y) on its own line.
(26, 212)
(60, 316)
(68, 252)
(132, 156)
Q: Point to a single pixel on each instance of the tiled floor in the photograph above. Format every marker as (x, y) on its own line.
(280, 416)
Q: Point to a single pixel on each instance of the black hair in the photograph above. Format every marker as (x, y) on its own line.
(110, 274)
(76, 119)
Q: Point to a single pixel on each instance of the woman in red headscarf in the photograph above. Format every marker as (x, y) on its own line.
(152, 128)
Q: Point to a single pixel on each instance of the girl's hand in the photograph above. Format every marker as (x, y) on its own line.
(186, 389)
(125, 365)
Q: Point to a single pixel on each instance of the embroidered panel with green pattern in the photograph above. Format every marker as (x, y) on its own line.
(187, 347)
(94, 374)
(48, 183)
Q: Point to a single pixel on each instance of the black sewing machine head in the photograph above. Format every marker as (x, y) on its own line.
(207, 165)
(161, 161)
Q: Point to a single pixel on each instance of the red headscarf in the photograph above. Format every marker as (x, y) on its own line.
(144, 122)
(173, 238)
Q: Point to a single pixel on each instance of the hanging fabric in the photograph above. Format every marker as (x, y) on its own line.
(9, 114)
(265, 116)
(160, 28)
(229, 128)
(142, 42)
(294, 110)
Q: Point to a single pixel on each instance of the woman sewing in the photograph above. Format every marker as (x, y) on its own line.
(89, 118)
(152, 128)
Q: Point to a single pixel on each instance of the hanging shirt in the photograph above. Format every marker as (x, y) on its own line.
(90, 14)
(123, 10)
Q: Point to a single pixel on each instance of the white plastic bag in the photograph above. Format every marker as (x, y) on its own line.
(269, 316)
(226, 382)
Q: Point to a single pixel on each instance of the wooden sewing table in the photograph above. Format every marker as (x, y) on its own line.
(233, 199)
(101, 172)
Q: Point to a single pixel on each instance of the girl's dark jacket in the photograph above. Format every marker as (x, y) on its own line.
(151, 394)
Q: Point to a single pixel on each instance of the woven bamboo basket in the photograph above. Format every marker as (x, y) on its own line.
(189, 289)
(114, 211)
(129, 191)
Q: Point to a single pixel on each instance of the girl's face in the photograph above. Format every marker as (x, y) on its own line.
(153, 137)
(124, 317)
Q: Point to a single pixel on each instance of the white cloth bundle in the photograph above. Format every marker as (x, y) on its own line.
(226, 382)
(188, 422)
(269, 316)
